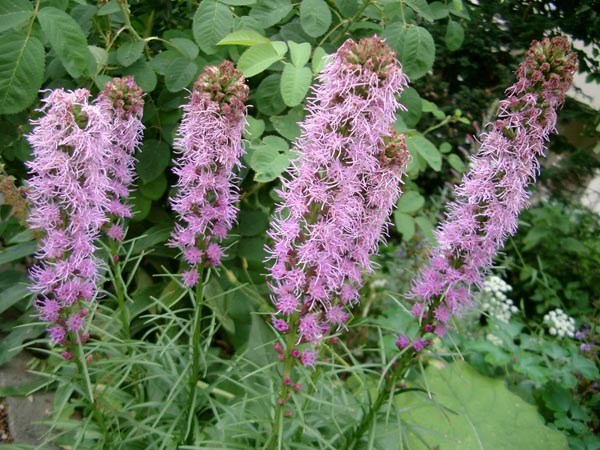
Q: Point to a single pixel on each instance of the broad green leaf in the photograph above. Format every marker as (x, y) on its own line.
(269, 159)
(16, 252)
(318, 60)
(257, 59)
(186, 48)
(456, 163)
(252, 248)
(239, 2)
(411, 100)
(267, 96)
(109, 8)
(100, 56)
(152, 160)
(14, 13)
(414, 46)
(347, 8)
(21, 71)
(473, 412)
(254, 129)
(294, 84)
(426, 227)
(459, 10)
(433, 109)
(153, 236)
(162, 61)
(315, 17)
(67, 39)
(409, 202)
(180, 74)
(280, 47)
(253, 222)
(299, 53)
(455, 35)
(439, 10)
(421, 7)
(143, 74)
(212, 22)
(270, 12)
(155, 188)
(421, 145)
(244, 37)
(141, 206)
(130, 52)
(405, 225)
(287, 125)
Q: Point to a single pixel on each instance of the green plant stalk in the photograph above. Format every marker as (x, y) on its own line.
(125, 10)
(281, 400)
(120, 289)
(195, 350)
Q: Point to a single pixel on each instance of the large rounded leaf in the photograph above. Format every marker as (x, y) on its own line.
(212, 22)
(295, 82)
(21, 71)
(473, 412)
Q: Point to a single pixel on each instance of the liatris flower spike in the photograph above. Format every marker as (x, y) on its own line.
(494, 191)
(122, 99)
(209, 144)
(341, 189)
(68, 194)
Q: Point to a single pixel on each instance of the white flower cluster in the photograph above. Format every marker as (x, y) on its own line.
(494, 300)
(559, 323)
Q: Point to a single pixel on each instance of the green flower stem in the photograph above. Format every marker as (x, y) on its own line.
(284, 391)
(195, 350)
(120, 290)
(125, 10)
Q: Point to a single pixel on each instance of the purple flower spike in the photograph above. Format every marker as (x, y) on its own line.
(122, 99)
(68, 194)
(341, 189)
(494, 191)
(209, 144)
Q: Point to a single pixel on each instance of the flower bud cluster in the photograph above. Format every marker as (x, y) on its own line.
(209, 144)
(494, 301)
(122, 99)
(559, 323)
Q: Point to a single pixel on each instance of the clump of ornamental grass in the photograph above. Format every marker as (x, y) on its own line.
(122, 99)
(209, 147)
(68, 192)
(335, 204)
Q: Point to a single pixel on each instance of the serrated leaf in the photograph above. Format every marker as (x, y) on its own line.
(421, 7)
(295, 82)
(455, 35)
(421, 145)
(299, 53)
(315, 17)
(411, 100)
(269, 159)
(186, 48)
(152, 160)
(212, 22)
(14, 13)
(130, 52)
(270, 12)
(244, 37)
(456, 163)
(257, 59)
(180, 74)
(318, 60)
(405, 225)
(155, 188)
(268, 96)
(21, 71)
(143, 74)
(67, 40)
(414, 46)
(410, 201)
(254, 129)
